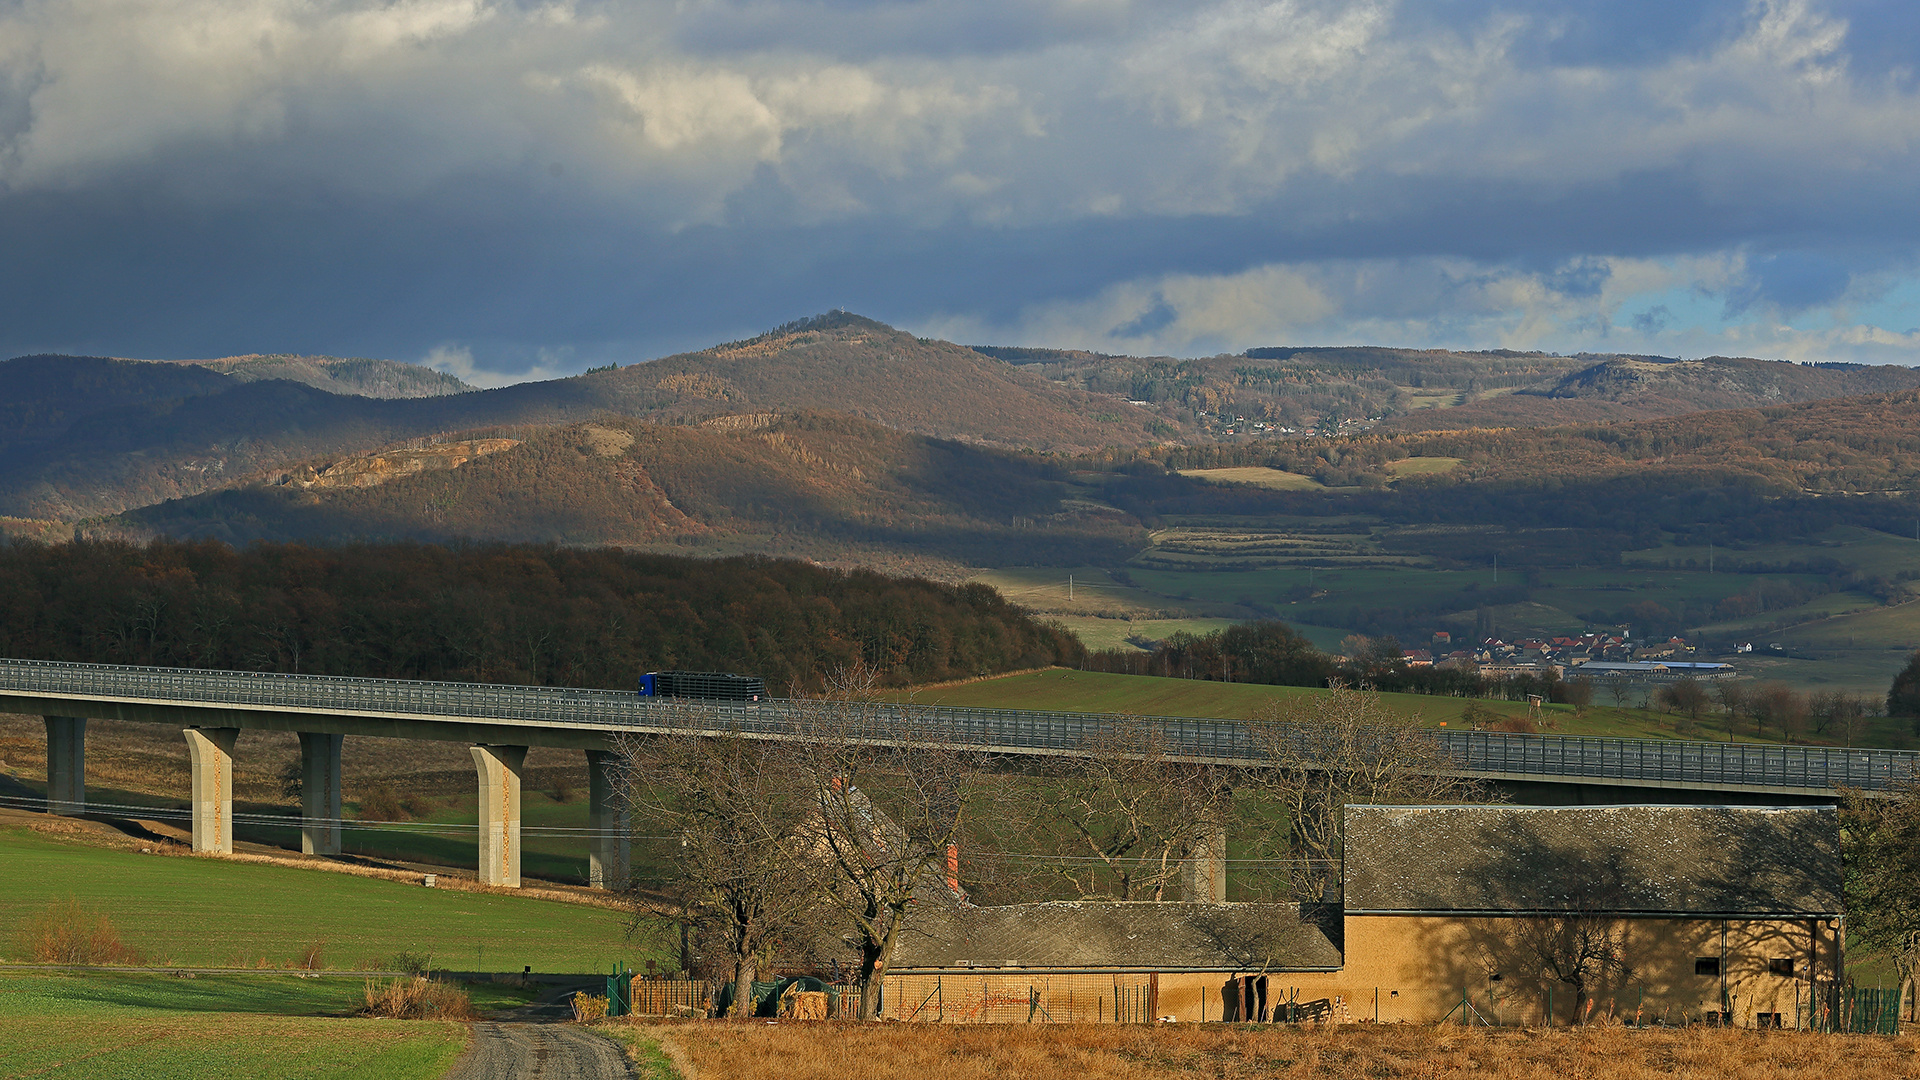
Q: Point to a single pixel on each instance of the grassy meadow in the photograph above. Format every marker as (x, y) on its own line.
(1062, 690)
(1233, 1052)
(167, 1027)
(185, 910)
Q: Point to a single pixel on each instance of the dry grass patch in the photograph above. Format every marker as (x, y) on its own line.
(417, 998)
(720, 1051)
(69, 933)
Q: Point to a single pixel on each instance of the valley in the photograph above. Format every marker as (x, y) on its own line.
(1350, 493)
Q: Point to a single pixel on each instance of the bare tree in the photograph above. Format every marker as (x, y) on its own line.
(1687, 697)
(1733, 697)
(1780, 705)
(1327, 751)
(728, 815)
(1131, 816)
(1579, 694)
(1880, 839)
(889, 803)
(1582, 948)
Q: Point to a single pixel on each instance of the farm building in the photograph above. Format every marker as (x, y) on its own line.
(1509, 914)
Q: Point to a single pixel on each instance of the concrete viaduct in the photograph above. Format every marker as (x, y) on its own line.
(501, 722)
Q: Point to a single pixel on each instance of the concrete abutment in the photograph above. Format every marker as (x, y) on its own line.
(66, 765)
(500, 769)
(212, 753)
(609, 850)
(320, 793)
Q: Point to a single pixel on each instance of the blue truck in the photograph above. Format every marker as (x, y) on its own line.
(708, 685)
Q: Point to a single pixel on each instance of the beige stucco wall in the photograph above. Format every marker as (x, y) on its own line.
(1423, 965)
(1417, 969)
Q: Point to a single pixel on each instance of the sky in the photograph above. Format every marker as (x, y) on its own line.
(521, 190)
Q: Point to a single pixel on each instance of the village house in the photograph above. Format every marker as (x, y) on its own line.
(1721, 914)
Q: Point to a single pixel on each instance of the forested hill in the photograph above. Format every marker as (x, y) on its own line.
(811, 484)
(508, 614)
(1754, 474)
(176, 440)
(1639, 388)
(357, 375)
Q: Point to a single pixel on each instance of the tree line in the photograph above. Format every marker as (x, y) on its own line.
(502, 613)
(1273, 653)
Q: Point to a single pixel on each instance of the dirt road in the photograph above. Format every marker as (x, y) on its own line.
(534, 1050)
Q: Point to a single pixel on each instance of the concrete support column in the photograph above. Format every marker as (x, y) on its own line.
(320, 793)
(1206, 868)
(499, 768)
(66, 765)
(212, 751)
(608, 847)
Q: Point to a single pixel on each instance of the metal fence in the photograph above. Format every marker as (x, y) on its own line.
(1018, 999)
(1548, 757)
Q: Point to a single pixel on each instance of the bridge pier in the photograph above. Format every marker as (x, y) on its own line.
(212, 752)
(1206, 868)
(608, 847)
(319, 793)
(66, 765)
(499, 768)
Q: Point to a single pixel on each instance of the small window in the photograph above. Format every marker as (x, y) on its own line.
(1766, 1020)
(1780, 965)
(1707, 965)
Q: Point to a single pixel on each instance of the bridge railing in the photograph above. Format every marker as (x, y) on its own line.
(1475, 753)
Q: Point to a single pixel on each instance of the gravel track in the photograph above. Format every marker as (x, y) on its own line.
(540, 1051)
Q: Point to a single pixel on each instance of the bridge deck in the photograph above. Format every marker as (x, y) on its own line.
(544, 715)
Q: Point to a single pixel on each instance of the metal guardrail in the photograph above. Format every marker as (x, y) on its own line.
(1548, 757)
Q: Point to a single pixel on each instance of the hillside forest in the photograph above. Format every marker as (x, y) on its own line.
(521, 614)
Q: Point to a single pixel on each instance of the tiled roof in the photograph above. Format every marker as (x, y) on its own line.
(1716, 860)
(1112, 936)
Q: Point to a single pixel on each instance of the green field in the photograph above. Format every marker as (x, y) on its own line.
(1331, 577)
(209, 912)
(160, 1027)
(1061, 690)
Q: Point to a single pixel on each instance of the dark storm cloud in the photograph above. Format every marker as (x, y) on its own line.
(556, 185)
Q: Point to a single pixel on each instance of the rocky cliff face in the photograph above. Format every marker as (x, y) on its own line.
(376, 469)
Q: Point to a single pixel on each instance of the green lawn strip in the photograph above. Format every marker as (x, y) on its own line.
(650, 1061)
(446, 836)
(210, 912)
(160, 1027)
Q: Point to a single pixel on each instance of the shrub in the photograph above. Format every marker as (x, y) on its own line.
(412, 963)
(589, 1007)
(67, 933)
(379, 803)
(313, 957)
(417, 998)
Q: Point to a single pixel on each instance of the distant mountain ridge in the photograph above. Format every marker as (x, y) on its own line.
(1623, 388)
(176, 433)
(84, 437)
(356, 375)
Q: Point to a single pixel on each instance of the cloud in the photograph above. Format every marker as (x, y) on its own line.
(457, 361)
(593, 181)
